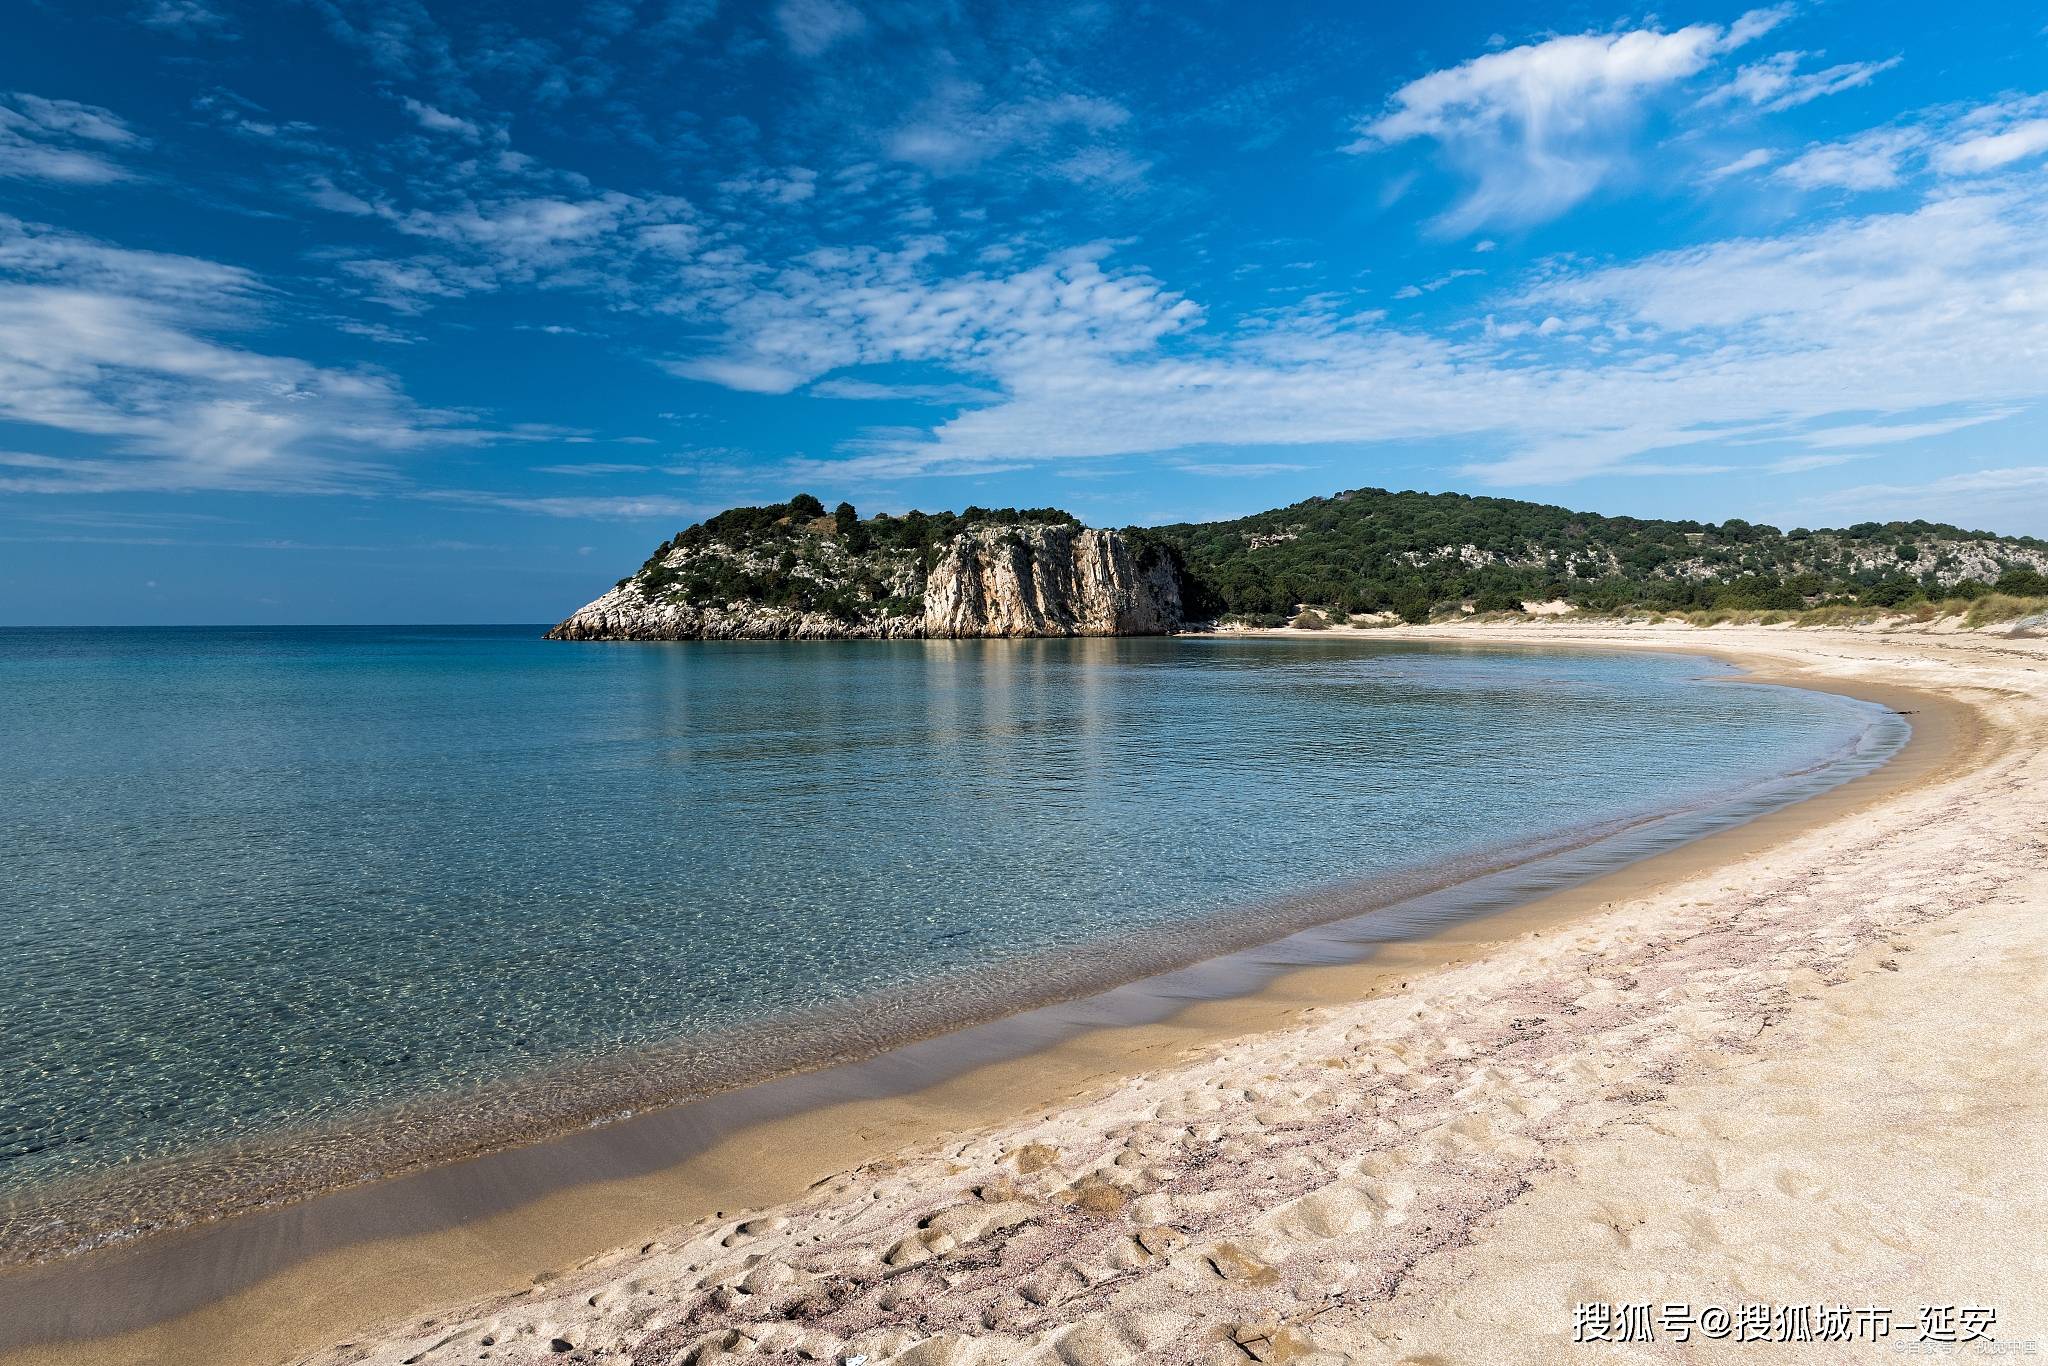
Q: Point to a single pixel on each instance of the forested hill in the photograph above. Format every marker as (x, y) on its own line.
(794, 569)
(1369, 550)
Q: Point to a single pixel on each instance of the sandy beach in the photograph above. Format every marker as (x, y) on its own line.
(1797, 1063)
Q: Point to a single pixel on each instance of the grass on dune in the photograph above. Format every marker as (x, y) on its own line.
(1988, 610)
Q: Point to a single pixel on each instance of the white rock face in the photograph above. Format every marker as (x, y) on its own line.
(1047, 581)
(625, 614)
(1036, 580)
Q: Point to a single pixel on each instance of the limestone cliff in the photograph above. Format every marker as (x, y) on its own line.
(748, 575)
(1048, 581)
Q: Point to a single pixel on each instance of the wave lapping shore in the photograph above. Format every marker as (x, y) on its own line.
(1802, 1066)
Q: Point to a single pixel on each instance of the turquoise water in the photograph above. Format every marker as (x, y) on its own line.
(258, 882)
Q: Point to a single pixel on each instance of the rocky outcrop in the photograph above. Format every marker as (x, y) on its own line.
(1048, 581)
(627, 614)
(1055, 579)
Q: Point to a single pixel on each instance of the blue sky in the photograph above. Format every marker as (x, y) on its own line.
(339, 311)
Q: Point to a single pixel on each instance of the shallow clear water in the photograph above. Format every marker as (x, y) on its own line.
(259, 880)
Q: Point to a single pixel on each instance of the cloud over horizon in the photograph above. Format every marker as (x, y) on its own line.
(916, 253)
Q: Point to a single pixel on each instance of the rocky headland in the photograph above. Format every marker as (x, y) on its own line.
(792, 572)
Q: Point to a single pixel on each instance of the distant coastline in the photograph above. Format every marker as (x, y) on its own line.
(791, 571)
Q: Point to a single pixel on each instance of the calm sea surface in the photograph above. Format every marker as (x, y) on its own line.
(256, 882)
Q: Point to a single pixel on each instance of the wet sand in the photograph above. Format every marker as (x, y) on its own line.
(1058, 1097)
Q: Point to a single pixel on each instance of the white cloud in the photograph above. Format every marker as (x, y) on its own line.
(1802, 464)
(435, 121)
(867, 390)
(1776, 83)
(2009, 496)
(1432, 286)
(61, 140)
(1749, 161)
(1868, 161)
(958, 129)
(628, 508)
(1246, 471)
(1990, 151)
(1898, 326)
(595, 243)
(33, 251)
(113, 344)
(525, 232)
(791, 185)
(186, 18)
(847, 307)
(1539, 128)
(1977, 141)
(747, 376)
(812, 26)
(404, 286)
(1108, 167)
(1891, 433)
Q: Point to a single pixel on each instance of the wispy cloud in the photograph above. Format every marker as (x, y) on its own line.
(1776, 83)
(1751, 160)
(118, 345)
(1250, 470)
(867, 307)
(626, 508)
(1896, 326)
(2017, 491)
(1975, 153)
(436, 121)
(960, 128)
(1432, 286)
(1806, 464)
(1538, 128)
(1978, 141)
(812, 26)
(869, 391)
(185, 18)
(1891, 433)
(1868, 161)
(61, 140)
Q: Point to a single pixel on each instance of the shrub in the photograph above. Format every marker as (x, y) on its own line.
(1892, 592)
(2022, 583)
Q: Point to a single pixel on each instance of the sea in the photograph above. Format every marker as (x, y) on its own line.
(287, 908)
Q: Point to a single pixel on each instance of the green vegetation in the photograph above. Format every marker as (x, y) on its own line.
(1416, 554)
(799, 557)
(1386, 556)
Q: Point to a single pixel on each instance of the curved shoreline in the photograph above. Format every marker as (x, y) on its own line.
(836, 1124)
(1232, 952)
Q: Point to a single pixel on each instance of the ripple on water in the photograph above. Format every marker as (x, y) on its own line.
(294, 907)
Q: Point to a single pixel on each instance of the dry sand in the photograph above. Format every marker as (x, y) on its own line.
(1800, 1064)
